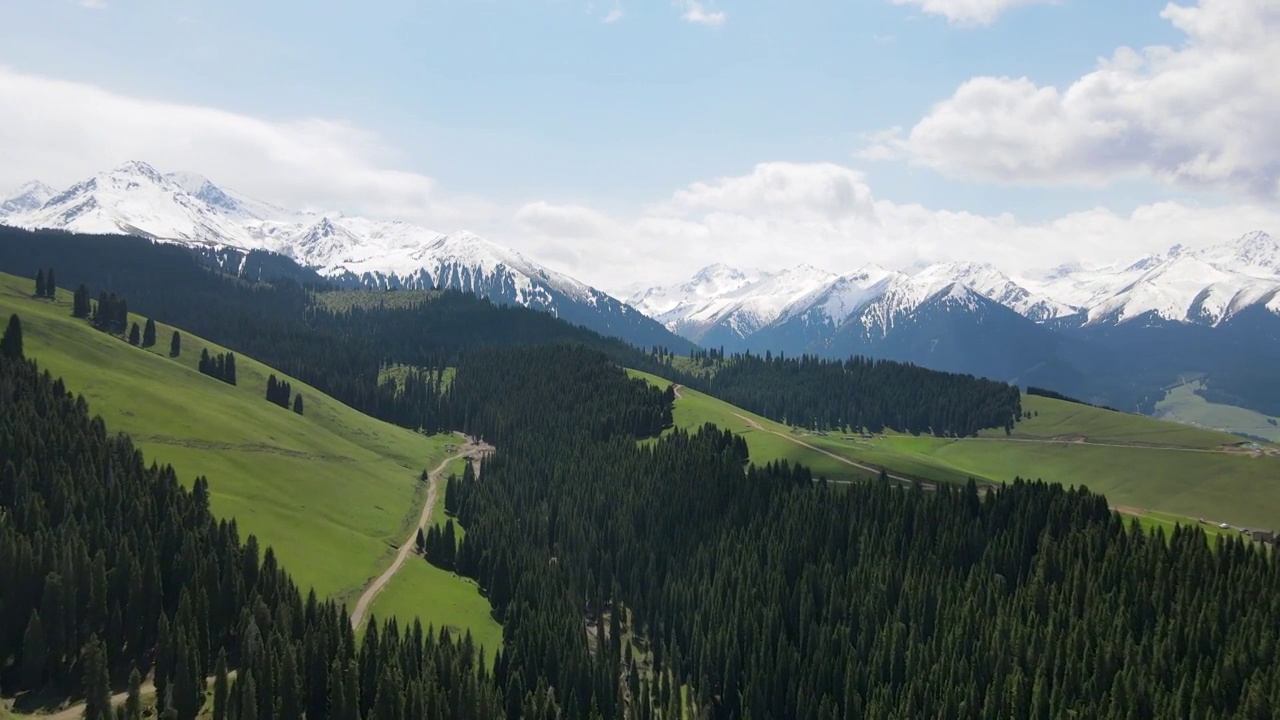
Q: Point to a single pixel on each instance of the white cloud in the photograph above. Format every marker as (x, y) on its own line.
(614, 15)
(968, 12)
(782, 214)
(94, 4)
(314, 163)
(1206, 114)
(695, 12)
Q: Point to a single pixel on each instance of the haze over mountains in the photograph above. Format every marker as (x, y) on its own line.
(1116, 335)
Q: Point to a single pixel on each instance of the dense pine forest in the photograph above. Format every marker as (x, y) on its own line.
(858, 393)
(639, 571)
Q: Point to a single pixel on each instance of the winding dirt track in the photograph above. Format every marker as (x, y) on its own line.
(472, 449)
(873, 470)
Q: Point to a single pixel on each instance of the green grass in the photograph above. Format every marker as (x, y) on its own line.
(333, 491)
(438, 598)
(1148, 467)
(1183, 405)
(398, 373)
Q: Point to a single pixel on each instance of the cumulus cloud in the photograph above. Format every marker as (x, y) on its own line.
(1206, 114)
(306, 163)
(782, 214)
(968, 12)
(695, 12)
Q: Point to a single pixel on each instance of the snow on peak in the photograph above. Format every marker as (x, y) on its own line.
(28, 197)
(1256, 254)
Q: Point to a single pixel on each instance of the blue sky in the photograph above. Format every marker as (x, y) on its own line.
(511, 102)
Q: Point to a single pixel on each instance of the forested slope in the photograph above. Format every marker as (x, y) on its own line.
(108, 566)
(329, 488)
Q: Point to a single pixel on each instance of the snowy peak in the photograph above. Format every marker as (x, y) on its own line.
(28, 197)
(835, 301)
(1256, 254)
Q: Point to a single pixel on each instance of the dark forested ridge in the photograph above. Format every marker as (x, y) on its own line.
(858, 393)
(107, 565)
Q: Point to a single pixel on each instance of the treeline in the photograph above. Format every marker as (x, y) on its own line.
(108, 566)
(860, 393)
(219, 365)
(1043, 392)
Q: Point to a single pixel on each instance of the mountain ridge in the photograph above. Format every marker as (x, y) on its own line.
(188, 209)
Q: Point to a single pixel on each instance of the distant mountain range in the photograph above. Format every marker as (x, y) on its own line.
(1116, 334)
(188, 209)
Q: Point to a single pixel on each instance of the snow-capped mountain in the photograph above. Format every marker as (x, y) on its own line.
(721, 305)
(1206, 286)
(188, 209)
(671, 304)
(28, 197)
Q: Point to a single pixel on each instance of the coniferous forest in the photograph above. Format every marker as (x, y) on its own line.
(662, 579)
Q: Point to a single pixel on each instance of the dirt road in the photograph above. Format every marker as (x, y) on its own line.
(473, 449)
(873, 470)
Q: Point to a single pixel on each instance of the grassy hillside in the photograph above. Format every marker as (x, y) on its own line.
(1164, 471)
(332, 490)
(437, 597)
(1183, 405)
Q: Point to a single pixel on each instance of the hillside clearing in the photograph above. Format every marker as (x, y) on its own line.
(1168, 471)
(1183, 405)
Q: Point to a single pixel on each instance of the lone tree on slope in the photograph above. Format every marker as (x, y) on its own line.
(297, 404)
(175, 345)
(11, 343)
(40, 283)
(135, 335)
(149, 333)
(50, 285)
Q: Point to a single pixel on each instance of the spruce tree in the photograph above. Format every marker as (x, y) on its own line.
(133, 703)
(97, 681)
(40, 292)
(220, 689)
(135, 335)
(80, 303)
(175, 345)
(297, 404)
(273, 389)
(149, 333)
(11, 343)
(229, 372)
(50, 285)
(35, 653)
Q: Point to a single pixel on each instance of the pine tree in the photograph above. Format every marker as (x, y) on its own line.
(11, 343)
(149, 333)
(206, 365)
(133, 702)
(229, 372)
(273, 389)
(97, 682)
(135, 335)
(220, 689)
(297, 404)
(50, 285)
(175, 345)
(80, 304)
(40, 291)
(248, 696)
(34, 653)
